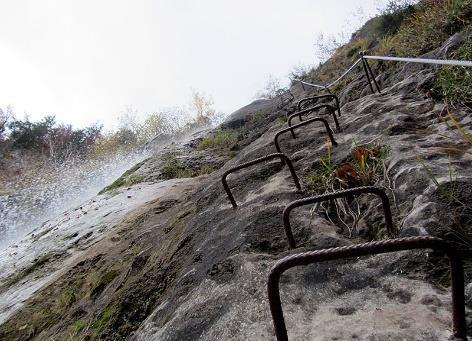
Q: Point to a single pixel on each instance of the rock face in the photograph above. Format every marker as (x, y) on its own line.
(183, 264)
(240, 117)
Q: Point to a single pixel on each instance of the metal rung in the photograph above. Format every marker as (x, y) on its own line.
(309, 111)
(330, 196)
(386, 246)
(304, 123)
(284, 158)
(315, 98)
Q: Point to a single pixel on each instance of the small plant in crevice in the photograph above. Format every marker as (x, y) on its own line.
(447, 192)
(459, 140)
(76, 328)
(457, 208)
(462, 135)
(172, 167)
(366, 166)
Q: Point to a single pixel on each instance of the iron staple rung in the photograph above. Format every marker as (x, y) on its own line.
(307, 99)
(358, 250)
(284, 158)
(310, 110)
(385, 246)
(291, 128)
(335, 195)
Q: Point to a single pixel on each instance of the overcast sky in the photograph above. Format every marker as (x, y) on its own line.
(87, 60)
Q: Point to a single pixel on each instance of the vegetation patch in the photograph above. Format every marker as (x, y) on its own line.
(221, 140)
(135, 249)
(403, 29)
(281, 120)
(127, 179)
(37, 264)
(455, 82)
(178, 217)
(102, 282)
(258, 116)
(103, 320)
(366, 166)
(431, 22)
(172, 167)
(454, 198)
(76, 328)
(42, 312)
(68, 297)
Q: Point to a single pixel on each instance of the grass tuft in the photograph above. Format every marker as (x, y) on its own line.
(365, 167)
(221, 140)
(172, 167)
(455, 82)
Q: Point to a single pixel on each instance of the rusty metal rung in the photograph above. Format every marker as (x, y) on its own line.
(385, 246)
(284, 158)
(315, 98)
(330, 196)
(304, 123)
(309, 111)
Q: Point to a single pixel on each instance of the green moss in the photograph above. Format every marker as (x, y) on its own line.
(102, 282)
(102, 321)
(126, 179)
(206, 169)
(172, 168)
(135, 249)
(68, 296)
(38, 263)
(281, 120)
(134, 179)
(221, 140)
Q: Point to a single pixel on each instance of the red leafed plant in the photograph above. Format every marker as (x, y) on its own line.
(346, 171)
(360, 153)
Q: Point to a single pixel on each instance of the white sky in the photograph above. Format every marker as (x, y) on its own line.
(87, 60)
